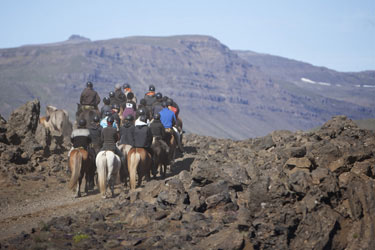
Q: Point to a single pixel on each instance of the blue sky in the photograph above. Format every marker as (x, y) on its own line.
(337, 34)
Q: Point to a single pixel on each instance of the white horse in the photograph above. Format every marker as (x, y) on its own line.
(108, 165)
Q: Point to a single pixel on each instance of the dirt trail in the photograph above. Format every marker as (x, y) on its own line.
(29, 202)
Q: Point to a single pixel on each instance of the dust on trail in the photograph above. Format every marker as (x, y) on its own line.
(27, 203)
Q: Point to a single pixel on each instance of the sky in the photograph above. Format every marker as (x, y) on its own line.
(337, 34)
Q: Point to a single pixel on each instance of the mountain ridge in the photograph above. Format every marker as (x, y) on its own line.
(221, 92)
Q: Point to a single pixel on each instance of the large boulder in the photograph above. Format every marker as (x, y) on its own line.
(23, 122)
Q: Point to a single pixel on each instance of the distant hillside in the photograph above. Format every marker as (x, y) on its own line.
(222, 93)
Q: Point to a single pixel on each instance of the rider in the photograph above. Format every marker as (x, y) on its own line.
(89, 97)
(150, 96)
(143, 135)
(157, 128)
(130, 106)
(103, 122)
(95, 135)
(120, 97)
(128, 90)
(106, 106)
(80, 137)
(115, 113)
(143, 105)
(157, 107)
(109, 137)
(112, 99)
(127, 131)
(168, 118)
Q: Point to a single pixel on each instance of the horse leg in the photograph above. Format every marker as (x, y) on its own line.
(78, 191)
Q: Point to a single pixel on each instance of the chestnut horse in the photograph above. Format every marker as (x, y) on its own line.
(139, 161)
(81, 166)
(108, 165)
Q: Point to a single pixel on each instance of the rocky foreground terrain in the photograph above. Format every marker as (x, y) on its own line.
(303, 190)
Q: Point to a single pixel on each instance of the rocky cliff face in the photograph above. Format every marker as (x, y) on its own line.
(220, 93)
(303, 190)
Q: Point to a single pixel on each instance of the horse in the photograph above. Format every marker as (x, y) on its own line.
(160, 155)
(139, 160)
(124, 148)
(171, 142)
(87, 114)
(108, 165)
(57, 120)
(81, 165)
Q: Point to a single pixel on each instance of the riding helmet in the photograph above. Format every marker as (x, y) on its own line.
(89, 84)
(164, 104)
(126, 86)
(111, 94)
(108, 113)
(157, 116)
(159, 96)
(106, 100)
(110, 119)
(82, 123)
(96, 118)
(129, 118)
(169, 102)
(151, 88)
(130, 96)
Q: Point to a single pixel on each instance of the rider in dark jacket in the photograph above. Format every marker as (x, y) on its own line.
(142, 134)
(89, 97)
(95, 135)
(80, 136)
(157, 128)
(106, 107)
(150, 96)
(157, 106)
(127, 131)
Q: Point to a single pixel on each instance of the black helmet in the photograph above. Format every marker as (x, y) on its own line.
(130, 96)
(151, 88)
(169, 102)
(110, 119)
(126, 86)
(143, 118)
(96, 118)
(82, 123)
(157, 116)
(115, 106)
(106, 101)
(141, 112)
(165, 98)
(111, 94)
(108, 113)
(159, 96)
(129, 118)
(164, 104)
(89, 84)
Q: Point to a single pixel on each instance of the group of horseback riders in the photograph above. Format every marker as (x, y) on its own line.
(121, 121)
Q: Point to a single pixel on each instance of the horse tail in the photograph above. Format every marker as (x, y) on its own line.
(101, 164)
(133, 162)
(76, 164)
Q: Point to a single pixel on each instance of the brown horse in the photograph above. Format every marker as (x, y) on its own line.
(139, 160)
(80, 166)
(124, 148)
(160, 155)
(172, 143)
